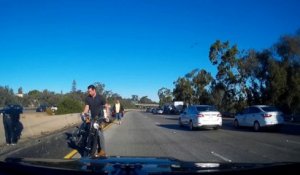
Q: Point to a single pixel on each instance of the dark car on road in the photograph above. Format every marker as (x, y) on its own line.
(148, 109)
(41, 108)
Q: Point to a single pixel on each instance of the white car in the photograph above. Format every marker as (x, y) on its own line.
(205, 116)
(54, 108)
(159, 111)
(259, 116)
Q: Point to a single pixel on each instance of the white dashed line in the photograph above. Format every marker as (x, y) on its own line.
(291, 141)
(221, 157)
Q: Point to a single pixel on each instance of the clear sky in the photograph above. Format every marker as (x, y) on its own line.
(133, 47)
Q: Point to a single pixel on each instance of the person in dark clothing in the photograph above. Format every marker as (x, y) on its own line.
(18, 127)
(12, 125)
(95, 104)
(10, 135)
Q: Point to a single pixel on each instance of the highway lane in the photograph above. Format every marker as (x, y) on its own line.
(54, 146)
(145, 134)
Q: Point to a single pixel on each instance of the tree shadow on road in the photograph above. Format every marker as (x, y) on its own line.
(171, 118)
(290, 130)
(285, 129)
(184, 128)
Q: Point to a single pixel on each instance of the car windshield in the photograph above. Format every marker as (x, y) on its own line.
(206, 108)
(270, 109)
(92, 79)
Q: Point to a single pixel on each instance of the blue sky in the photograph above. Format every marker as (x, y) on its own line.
(133, 47)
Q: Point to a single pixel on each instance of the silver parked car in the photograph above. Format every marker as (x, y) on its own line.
(159, 111)
(259, 116)
(201, 116)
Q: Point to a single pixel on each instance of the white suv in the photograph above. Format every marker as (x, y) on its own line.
(201, 116)
(259, 116)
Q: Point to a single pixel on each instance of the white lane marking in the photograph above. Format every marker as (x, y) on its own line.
(220, 156)
(157, 123)
(291, 141)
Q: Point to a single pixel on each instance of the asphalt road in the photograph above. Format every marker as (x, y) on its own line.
(145, 134)
(54, 146)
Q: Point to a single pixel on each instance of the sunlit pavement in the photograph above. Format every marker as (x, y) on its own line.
(145, 134)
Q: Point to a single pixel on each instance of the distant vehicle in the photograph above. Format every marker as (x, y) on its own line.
(178, 106)
(148, 109)
(173, 108)
(153, 110)
(178, 103)
(205, 116)
(54, 108)
(259, 116)
(41, 108)
(159, 111)
(167, 109)
(228, 114)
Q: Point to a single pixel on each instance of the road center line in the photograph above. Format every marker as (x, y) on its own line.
(221, 157)
(71, 154)
(291, 141)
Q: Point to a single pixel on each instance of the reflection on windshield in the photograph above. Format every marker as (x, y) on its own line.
(206, 108)
(270, 109)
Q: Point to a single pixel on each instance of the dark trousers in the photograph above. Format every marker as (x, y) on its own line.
(10, 129)
(100, 139)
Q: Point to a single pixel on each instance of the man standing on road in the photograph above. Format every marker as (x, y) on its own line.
(95, 104)
(12, 125)
(118, 111)
(8, 123)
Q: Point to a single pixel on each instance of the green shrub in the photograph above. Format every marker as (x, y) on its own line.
(69, 105)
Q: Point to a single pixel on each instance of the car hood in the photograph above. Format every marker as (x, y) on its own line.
(139, 165)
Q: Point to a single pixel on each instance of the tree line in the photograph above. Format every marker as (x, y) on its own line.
(244, 77)
(72, 101)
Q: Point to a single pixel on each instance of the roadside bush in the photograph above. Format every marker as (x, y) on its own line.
(69, 105)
